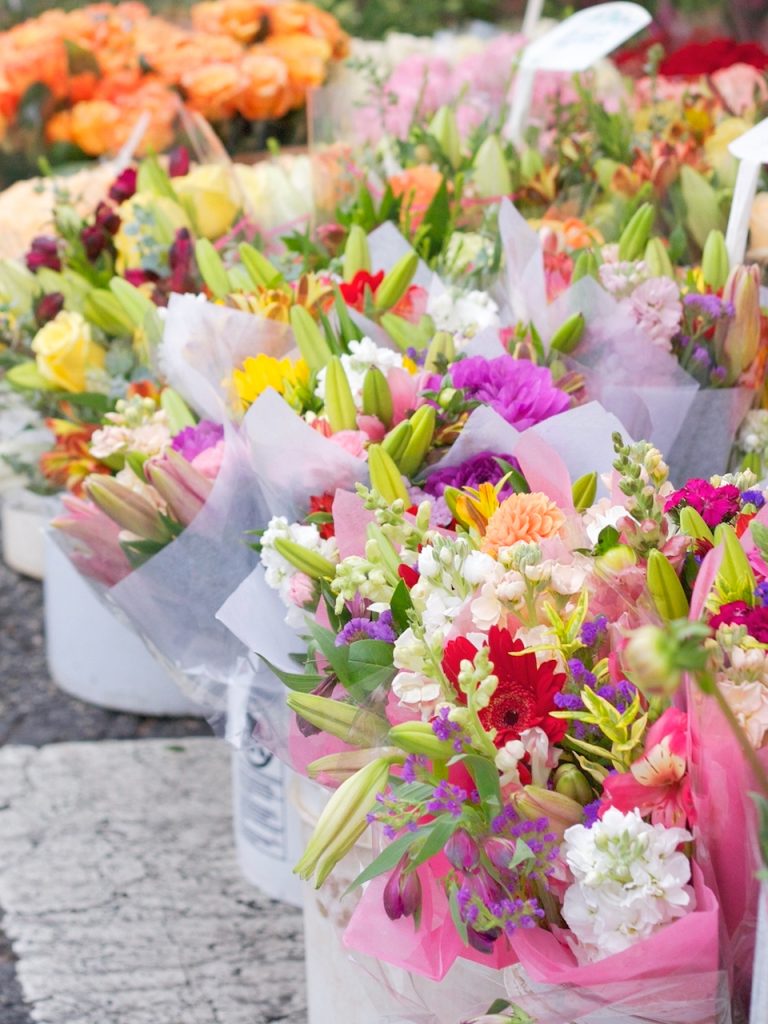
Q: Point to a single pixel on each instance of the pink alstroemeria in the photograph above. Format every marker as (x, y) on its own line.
(100, 555)
(658, 783)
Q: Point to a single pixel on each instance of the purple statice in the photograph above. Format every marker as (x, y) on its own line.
(590, 631)
(521, 392)
(591, 813)
(362, 628)
(477, 469)
(761, 593)
(191, 441)
(580, 673)
(709, 305)
(447, 798)
(445, 729)
(755, 498)
(411, 764)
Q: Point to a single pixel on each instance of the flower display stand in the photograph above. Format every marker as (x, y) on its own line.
(93, 656)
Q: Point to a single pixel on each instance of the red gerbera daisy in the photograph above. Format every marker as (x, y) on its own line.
(526, 692)
(323, 504)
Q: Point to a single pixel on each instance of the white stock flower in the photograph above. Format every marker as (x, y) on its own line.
(629, 880)
(410, 653)
(749, 703)
(603, 513)
(416, 691)
(463, 314)
(279, 572)
(496, 595)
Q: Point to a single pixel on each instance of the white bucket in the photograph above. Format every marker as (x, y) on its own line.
(25, 516)
(267, 828)
(93, 656)
(344, 986)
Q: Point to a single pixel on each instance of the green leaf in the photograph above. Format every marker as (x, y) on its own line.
(388, 858)
(609, 538)
(80, 60)
(400, 605)
(486, 777)
(299, 681)
(27, 377)
(439, 834)
(458, 924)
(436, 220)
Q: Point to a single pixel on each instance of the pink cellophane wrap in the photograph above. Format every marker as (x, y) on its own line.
(203, 343)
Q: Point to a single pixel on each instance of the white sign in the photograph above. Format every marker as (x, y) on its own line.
(751, 149)
(573, 45)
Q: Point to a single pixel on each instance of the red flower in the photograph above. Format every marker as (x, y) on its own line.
(323, 503)
(704, 58)
(353, 292)
(409, 576)
(525, 696)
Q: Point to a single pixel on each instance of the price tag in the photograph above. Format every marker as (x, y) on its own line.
(751, 149)
(573, 45)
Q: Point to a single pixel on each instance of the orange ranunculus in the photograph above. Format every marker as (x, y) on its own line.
(417, 185)
(82, 87)
(59, 127)
(213, 89)
(266, 92)
(96, 127)
(243, 20)
(306, 59)
(44, 62)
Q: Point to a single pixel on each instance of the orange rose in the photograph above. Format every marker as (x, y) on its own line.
(59, 127)
(306, 59)
(213, 90)
(292, 18)
(266, 92)
(96, 127)
(417, 186)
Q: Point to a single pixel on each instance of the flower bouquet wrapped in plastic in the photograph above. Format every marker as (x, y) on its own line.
(469, 689)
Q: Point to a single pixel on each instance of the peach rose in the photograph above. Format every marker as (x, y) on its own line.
(266, 92)
(213, 90)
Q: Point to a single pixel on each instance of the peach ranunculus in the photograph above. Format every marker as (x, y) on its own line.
(306, 59)
(243, 20)
(213, 89)
(290, 18)
(522, 517)
(96, 126)
(266, 90)
(417, 186)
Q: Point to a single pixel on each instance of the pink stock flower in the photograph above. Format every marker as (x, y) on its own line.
(658, 783)
(208, 462)
(656, 308)
(99, 554)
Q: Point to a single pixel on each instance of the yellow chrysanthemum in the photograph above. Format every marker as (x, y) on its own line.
(261, 372)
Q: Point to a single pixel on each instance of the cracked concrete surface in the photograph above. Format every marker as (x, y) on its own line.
(121, 893)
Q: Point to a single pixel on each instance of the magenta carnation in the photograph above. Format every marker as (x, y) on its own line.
(714, 504)
(191, 441)
(738, 613)
(523, 393)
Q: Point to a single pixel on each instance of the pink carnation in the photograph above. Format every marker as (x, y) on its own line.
(656, 308)
(208, 462)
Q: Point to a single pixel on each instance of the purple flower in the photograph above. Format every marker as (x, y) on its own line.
(714, 504)
(191, 441)
(43, 252)
(753, 498)
(478, 469)
(761, 592)
(124, 186)
(523, 393)
(180, 261)
(711, 305)
(591, 813)
(361, 628)
(48, 306)
(590, 631)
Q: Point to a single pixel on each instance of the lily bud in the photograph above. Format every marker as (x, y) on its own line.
(561, 811)
(735, 576)
(617, 559)
(586, 265)
(648, 661)
(179, 484)
(343, 821)
(377, 396)
(442, 347)
(339, 403)
(405, 334)
(212, 268)
(584, 491)
(531, 164)
(310, 339)
(402, 893)
(309, 562)
(345, 721)
(665, 588)
(483, 942)
(491, 175)
(423, 430)
(500, 851)
(568, 335)
(357, 255)
(342, 766)
(419, 738)
(657, 259)
(445, 131)
(128, 509)
(397, 281)
(385, 476)
(177, 411)
(263, 273)
(737, 344)
(703, 212)
(634, 237)
(462, 851)
(571, 782)
(715, 264)
(396, 441)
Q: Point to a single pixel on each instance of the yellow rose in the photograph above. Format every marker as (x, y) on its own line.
(211, 195)
(716, 148)
(148, 225)
(65, 351)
